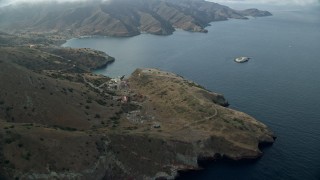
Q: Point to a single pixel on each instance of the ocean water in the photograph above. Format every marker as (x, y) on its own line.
(279, 86)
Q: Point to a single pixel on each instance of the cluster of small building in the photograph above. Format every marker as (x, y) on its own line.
(124, 95)
(118, 83)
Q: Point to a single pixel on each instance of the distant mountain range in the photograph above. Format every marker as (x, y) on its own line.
(118, 17)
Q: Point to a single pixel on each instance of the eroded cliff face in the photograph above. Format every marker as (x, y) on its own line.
(117, 17)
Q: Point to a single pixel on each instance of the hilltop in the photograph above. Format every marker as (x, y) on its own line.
(117, 17)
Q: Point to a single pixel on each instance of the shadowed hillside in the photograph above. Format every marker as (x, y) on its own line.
(58, 120)
(118, 17)
(39, 87)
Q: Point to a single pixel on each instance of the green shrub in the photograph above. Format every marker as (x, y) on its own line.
(101, 102)
(65, 128)
(9, 140)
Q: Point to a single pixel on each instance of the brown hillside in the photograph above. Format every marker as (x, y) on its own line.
(117, 17)
(30, 97)
(59, 121)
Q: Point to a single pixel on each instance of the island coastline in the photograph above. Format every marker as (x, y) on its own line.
(200, 149)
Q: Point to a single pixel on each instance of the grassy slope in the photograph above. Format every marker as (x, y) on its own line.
(187, 114)
(49, 125)
(50, 118)
(28, 95)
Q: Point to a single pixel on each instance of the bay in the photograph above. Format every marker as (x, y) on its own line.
(279, 86)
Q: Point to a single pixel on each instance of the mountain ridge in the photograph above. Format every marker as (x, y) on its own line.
(118, 18)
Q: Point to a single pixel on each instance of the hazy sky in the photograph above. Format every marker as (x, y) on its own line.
(279, 2)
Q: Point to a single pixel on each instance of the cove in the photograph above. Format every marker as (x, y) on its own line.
(279, 86)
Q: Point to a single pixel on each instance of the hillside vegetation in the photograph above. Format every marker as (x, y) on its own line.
(117, 17)
(58, 120)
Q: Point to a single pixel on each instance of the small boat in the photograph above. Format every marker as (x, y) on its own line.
(241, 59)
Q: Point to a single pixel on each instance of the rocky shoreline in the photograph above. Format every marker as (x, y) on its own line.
(106, 135)
(159, 17)
(59, 120)
(166, 123)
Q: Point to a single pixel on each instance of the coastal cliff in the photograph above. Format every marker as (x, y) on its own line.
(188, 113)
(117, 17)
(58, 120)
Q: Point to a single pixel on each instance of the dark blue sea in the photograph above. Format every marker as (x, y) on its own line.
(279, 86)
